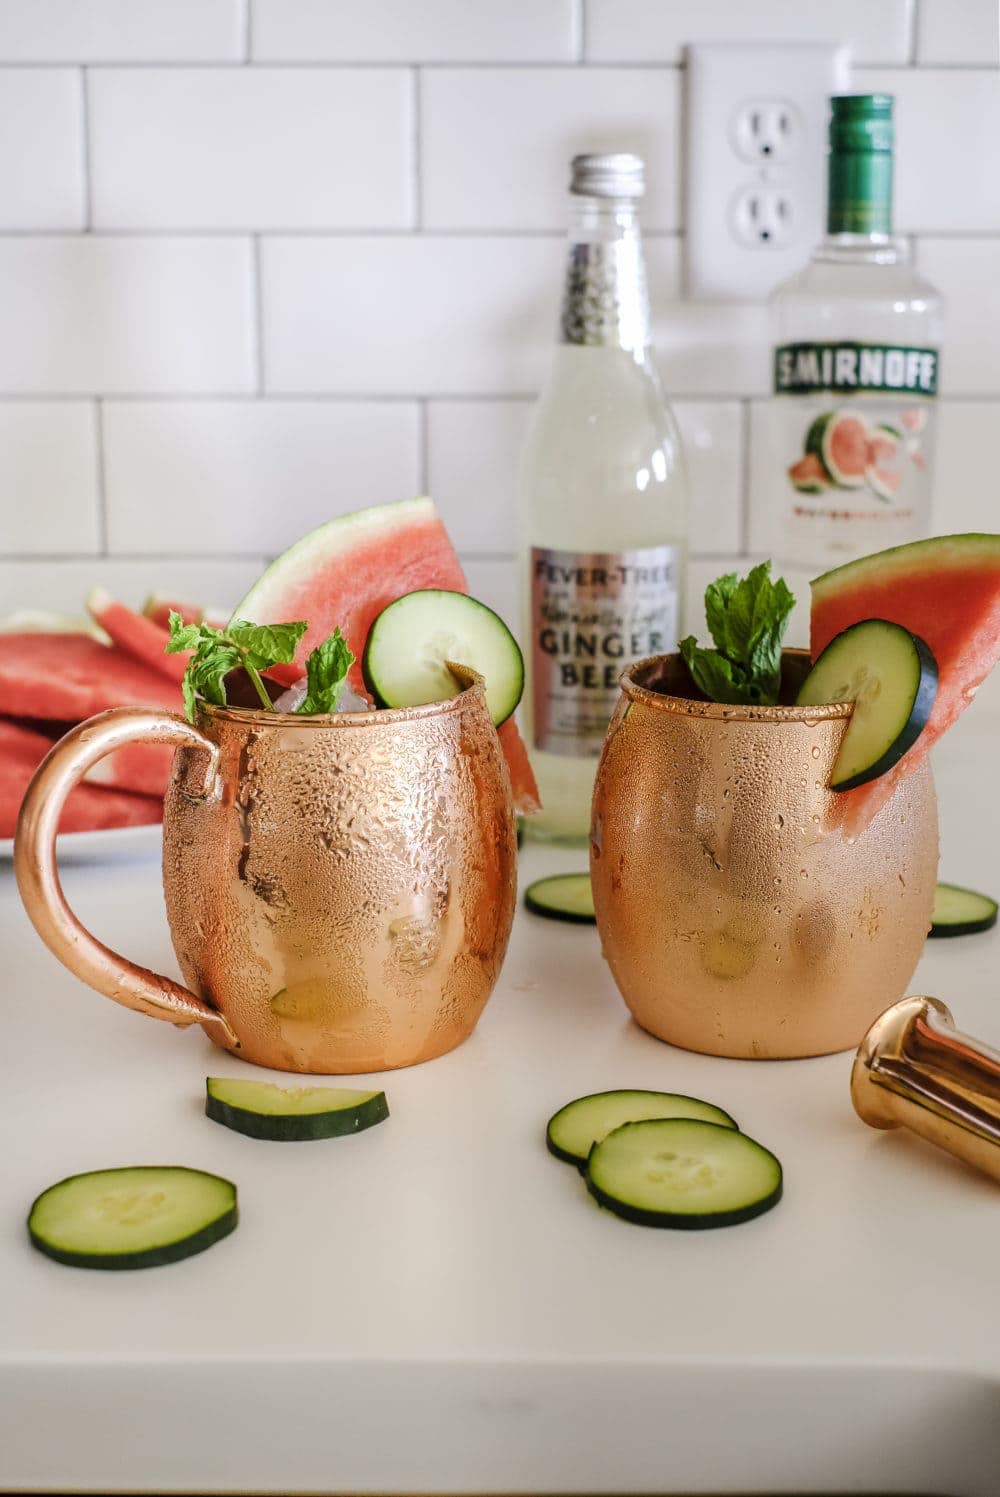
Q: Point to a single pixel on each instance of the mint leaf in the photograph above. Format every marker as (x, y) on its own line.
(182, 636)
(326, 674)
(267, 644)
(747, 618)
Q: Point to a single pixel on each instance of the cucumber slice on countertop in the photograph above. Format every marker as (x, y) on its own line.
(961, 912)
(678, 1172)
(575, 1128)
(138, 1217)
(562, 896)
(404, 661)
(290, 1114)
(891, 677)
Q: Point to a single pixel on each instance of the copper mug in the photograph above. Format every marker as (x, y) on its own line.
(340, 890)
(736, 918)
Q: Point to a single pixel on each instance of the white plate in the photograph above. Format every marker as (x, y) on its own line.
(100, 847)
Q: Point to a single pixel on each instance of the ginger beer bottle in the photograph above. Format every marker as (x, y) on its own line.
(856, 339)
(603, 500)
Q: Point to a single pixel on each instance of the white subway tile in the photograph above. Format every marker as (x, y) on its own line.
(63, 585)
(474, 451)
(121, 30)
(48, 477)
(658, 30)
(415, 31)
(965, 484)
(958, 31)
(254, 148)
(946, 121)
(89, 315)
(209, 475)
(496, 583)
(41, 149)
(473, 316)
(496, 144)
(967, 271)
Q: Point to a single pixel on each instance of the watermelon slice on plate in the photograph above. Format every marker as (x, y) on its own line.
(143, 768)
(89, 807)
(347, 571)
(946, 590)
(137, 635)
(67, 677)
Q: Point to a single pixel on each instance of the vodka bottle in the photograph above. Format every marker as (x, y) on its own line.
(856, 339)
(603, 500)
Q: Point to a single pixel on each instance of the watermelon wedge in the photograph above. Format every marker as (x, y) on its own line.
(142, 768)
(946, 590)
(88, 809)
(67, 677)
(347, 571)
(137, 635)
(158, 608)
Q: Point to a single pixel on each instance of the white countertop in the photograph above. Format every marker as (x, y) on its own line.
(436, 1305)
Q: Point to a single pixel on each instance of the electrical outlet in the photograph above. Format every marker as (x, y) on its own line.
(757, 119)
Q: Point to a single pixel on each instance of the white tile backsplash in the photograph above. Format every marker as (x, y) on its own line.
(967, 271)
(414, 31)
(264, 261)
(88, 315)
(213, 476)
(121, 30)
(658, 30)
(496, 143)
(959, 32)
(261, 148)
(41, 149)
(49, 503)
(946, 175)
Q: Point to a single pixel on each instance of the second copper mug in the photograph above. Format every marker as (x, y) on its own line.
(340, 890)
(735, 916)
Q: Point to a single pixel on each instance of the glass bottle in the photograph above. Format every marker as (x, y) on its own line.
(856, 338)
(603, 500)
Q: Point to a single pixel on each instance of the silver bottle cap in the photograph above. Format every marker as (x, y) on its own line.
(616, 174)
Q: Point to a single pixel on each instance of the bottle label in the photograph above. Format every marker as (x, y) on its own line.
(854, 473)
(593, 613)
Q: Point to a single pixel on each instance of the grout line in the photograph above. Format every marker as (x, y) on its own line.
(912, 24)
(578, 31)
(745, 440)
(472, 65)
(101, 467)
(555, 232)
(423, 445)
(247, 31)
(416, 135)
(258, 313)
(88, 194)
(989, 396)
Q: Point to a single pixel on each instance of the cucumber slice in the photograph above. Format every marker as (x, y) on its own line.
(891, 677)
(961, 912)
(678, 1172)
(138, 1217)
(289, 1114)
(404, 662)
(575, 1128)
(563, 896)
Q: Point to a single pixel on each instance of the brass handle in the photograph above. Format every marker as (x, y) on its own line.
(38, 876)
(916, 1070)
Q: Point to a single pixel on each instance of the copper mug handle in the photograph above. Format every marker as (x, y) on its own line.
(38, 876)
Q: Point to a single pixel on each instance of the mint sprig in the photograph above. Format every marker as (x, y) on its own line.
(256, 647)
(747, 617)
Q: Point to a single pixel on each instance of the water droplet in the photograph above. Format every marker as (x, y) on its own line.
(815, 750)
(803, 873)
(779, 822)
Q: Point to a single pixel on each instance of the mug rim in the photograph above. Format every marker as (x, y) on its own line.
(662, 701)
(256, 717)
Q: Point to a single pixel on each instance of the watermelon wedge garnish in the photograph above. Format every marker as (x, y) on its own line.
(345, 573)
(946, 590)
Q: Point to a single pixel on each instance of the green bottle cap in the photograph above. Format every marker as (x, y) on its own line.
(860, 184)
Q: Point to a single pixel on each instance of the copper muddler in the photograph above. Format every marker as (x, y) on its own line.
(916, 1070)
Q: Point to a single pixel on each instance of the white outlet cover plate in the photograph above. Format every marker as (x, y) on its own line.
(724, 81)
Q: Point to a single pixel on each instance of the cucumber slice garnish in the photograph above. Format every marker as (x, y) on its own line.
(575, 1128)
(290, 1114)
(961, 912)
(891, 677)
(563, 896)
(138, 1217)
(678, 1172)
(409, 646)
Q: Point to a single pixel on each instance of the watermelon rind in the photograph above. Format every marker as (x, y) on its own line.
(929, 555)
(307, 556)
(819, 439)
